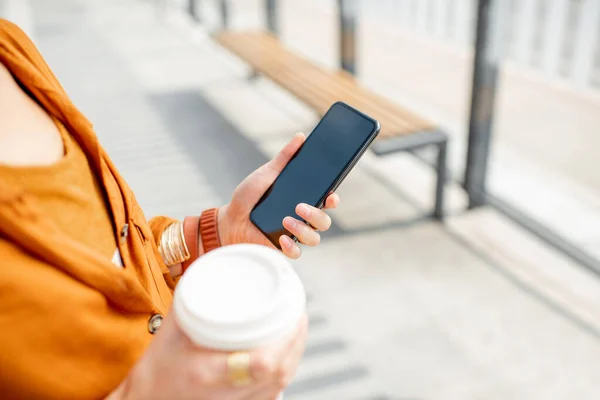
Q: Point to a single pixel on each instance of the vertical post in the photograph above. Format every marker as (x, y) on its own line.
(586, 41)
(438, 212)
(193, 10)
(271, 13)
(422, 15)
(389, 10)
(526, 24)
(347, 35)
(440, 18)
(488, 44)
(405, 12)
(224, 14)
(554, 36)
(462, 32)
(161, 9)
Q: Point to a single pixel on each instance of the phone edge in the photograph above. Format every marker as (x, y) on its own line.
(358, 156)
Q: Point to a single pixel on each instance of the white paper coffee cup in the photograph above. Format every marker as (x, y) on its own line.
(239, 297)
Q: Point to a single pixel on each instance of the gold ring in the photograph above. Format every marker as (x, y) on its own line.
(238, 365)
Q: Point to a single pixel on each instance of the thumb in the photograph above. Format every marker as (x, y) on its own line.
(278, 163)
(255, 185)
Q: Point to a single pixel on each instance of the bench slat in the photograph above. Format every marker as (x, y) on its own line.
(314, 85)
(333, 90)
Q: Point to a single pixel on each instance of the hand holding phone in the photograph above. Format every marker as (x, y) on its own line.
(329, 153)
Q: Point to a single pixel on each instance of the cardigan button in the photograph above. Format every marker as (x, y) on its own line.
(155, 323)
(124, 232)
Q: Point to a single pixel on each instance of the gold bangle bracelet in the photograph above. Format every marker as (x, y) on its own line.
(186, 251)
(172, 247)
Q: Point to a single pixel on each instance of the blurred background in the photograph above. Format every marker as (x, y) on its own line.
(501, 300)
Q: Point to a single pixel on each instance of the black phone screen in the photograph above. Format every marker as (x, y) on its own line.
(332, 147)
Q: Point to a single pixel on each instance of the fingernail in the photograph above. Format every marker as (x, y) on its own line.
(287, 242)
(304, 209)
(292, 222)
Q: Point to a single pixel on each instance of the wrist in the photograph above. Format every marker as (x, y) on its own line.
(202, 234)
(175, 270)
(223, 225)
(172, 245)
(192, 236)
(122, 392)
(193, 242)
(139, 383)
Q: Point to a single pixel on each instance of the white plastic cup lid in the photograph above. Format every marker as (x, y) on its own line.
(239, 297)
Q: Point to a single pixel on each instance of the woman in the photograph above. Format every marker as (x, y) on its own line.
(85, 280)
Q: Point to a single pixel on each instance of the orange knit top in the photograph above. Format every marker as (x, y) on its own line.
(69, 193)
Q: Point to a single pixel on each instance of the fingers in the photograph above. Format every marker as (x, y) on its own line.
(264, 391)
(275, 367)
(277, 364)
(290, 364)
(308, 235)
(267, 362)
(285, 155)
(303, 232)
(333, 201)
(317, 218)
(289, 247)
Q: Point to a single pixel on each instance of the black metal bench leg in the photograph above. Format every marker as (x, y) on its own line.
(441, 180)
(224, 15)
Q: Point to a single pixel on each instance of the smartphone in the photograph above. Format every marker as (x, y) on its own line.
(317, 169)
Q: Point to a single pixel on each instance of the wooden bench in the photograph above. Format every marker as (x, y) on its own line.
(401, 130)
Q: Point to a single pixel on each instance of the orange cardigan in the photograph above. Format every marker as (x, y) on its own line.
(71, 324)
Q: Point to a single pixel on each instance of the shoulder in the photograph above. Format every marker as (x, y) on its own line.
(15, 42)
(28, 136)
(7, 29)
(11, 35)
